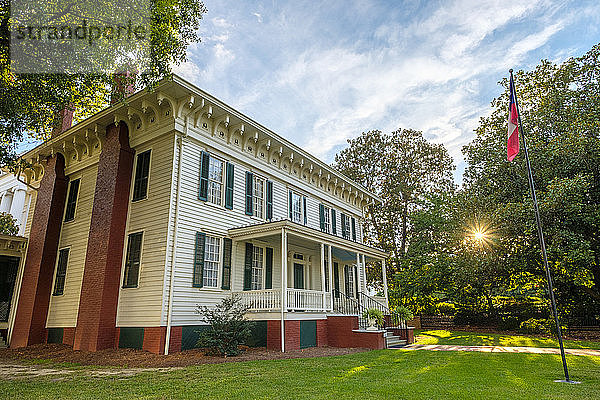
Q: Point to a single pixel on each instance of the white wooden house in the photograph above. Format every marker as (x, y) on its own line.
(173, 199)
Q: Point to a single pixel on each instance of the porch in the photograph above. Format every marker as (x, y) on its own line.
(303, 270)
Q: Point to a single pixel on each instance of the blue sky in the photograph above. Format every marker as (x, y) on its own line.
(319, 73)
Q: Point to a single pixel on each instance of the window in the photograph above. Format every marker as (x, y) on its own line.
(132, 260)
(258, 197)
(61, 272)
(349, 281)
(257, 268)
(140, 183)
(325, 218)
(215, 181)
(72, 200)
(296, 207)
(212, 246)
(345, 226)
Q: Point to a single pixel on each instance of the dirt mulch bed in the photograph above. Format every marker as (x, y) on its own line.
(131, 358)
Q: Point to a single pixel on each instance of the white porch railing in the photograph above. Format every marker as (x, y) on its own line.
(261, 300)
(297, 300)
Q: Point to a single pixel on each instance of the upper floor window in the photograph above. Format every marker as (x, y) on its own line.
(215, 181)
(142, 169)
(72, 200)
(212, 251)
(258, 197)
(325, 218)
(297, 207)
(345, 226)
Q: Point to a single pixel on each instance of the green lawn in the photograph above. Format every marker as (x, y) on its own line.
(494, 339)
(383, 374)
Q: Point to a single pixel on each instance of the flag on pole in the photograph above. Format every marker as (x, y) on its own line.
(513, 125)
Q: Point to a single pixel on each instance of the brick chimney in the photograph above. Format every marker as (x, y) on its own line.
(64, 120)
(123, 84)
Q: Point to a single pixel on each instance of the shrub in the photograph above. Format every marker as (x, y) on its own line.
(535, 326)
(373, 313)
(509, 323)
(446, 308)
(8, 225)
(228, 327)
(403, 313)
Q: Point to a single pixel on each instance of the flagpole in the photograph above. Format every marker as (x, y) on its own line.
(541, 237)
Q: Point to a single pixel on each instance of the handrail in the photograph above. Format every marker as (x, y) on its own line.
(395, 320)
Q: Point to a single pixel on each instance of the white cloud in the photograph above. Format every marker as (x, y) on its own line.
(258, 17)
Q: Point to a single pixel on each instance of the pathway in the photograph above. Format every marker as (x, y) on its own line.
(501, 349)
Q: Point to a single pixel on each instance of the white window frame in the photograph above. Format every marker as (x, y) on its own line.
(301, 213)
(327, 218)
(347, 221)
(262, 198)
(258, 284)
(219, 262)
(221, 199)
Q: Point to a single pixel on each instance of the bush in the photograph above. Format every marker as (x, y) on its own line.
(8, 225)
(508, 323)
(228, 327)
(446, 308)
(373, 313)
(403, 313)
(536, 326)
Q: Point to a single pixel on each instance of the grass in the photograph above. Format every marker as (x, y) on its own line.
(495, 339)
(382, 374)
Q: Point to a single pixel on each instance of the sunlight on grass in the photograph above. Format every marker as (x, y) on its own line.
(354, 371)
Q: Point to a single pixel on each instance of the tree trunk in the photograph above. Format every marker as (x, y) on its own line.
(404, 228)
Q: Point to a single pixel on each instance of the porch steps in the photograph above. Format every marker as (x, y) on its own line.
(393, 342)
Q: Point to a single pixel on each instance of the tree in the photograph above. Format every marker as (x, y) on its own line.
(30, 103)
(560, 110)
(403, 169)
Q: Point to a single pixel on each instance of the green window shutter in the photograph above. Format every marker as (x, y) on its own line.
(229, 187)
(61, 272)
(305, 216)
(204, 163)
(322, 216)
(290, 205)
(142, 169)
(198, 280)
(333, 224)
(249, 183)
(72, 200)
(269, 268)
(132, 260)
(226, 284)
(248, 266)
(353, 229)
(344, 227)
(269, 200)
(336, 279)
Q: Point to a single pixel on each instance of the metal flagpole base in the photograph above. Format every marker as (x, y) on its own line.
(567, 381)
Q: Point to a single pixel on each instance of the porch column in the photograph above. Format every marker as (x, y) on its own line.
(364, 265)
(323, 275)
(283, 285)
(330, 266)
(385, 289)
(358, 276)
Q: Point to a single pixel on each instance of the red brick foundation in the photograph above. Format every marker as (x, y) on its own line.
(38, 271)
(292, 335)
(100, 287)
(341, 333)
(322, 333)
(68, 336)
(154, 339)
(274, 335)
(175, 339)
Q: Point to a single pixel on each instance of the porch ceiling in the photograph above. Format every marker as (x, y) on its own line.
(274, 228)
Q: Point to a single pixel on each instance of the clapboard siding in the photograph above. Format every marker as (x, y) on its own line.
(29, 202)
(63, 309)
(141, 306)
